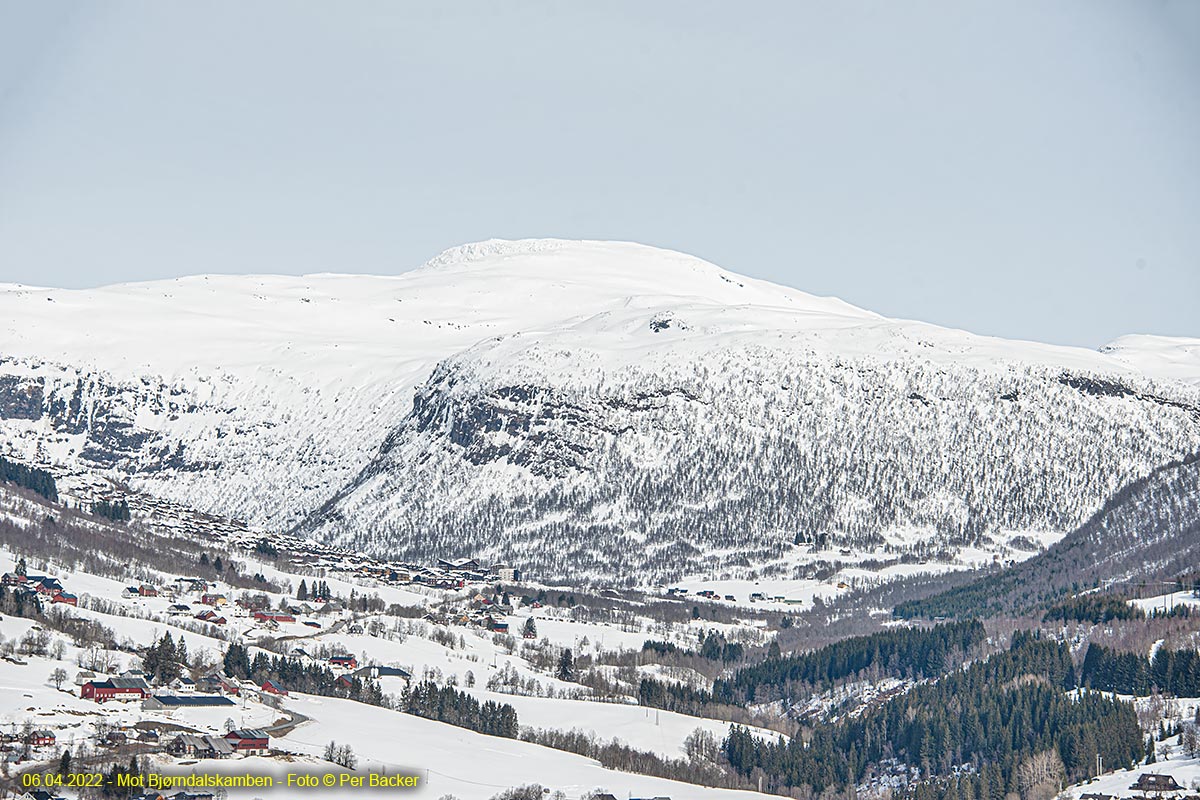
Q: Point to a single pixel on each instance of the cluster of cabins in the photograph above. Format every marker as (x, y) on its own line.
(209, 691)
(244, 741)
(42, 586)
(13, 744)
(445, 574)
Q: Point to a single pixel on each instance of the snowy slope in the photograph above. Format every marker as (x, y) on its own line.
(625, 395)
(464, 763)
(1173, 358)
(199, 388)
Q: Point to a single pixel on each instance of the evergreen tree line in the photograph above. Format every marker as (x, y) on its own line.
(447, 704)
(116, 511)
(38, 481)
(993, 716)
(714, 647)
(320, 589)
(1095, 608)
(910, 653)
(1174, 672)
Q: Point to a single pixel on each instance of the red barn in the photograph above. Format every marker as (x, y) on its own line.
(65, 597)
(115, 689)
(41, 738)
(271, 687)
(343, 662)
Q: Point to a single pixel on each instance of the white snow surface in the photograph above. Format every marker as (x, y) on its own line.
(260, 396)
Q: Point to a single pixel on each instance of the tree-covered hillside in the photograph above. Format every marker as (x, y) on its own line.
(1150, 529)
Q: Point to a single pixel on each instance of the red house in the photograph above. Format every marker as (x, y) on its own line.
(65, 597)
(343, 662)
(271, 687)
(41, 738)
(47, 586)
(267, 616)
(250, 741)
(115, 689)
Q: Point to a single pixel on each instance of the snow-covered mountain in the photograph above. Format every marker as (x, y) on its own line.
(580, 407)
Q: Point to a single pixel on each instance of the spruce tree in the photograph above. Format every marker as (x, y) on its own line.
(566, 666)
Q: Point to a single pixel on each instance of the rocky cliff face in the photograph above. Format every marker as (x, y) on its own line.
(692, 460)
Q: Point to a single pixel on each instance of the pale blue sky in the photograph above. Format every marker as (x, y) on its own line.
(1027, 169)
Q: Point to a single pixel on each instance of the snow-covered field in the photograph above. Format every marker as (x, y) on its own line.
(467, 764)
(1166, 602)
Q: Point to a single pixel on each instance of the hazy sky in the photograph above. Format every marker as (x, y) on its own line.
(1028, 169)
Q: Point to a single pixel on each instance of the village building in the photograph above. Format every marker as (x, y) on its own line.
(1150, 783)
(506, 572)
(123, 689)
(197, 746)
(170, 702)
(343, 662)
(459, 565)
(41, 738)
(249, 741)
(46, 586)
(183, 684)
(186, 585)
(375, 672)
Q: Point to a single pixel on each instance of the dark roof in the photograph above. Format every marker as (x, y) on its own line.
(247, 733)
(121, 683)
(181, 701)
(383, 672)
(1155, 782)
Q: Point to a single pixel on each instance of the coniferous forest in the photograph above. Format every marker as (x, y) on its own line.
(994, 717)
(1174, 672)
(35, 480)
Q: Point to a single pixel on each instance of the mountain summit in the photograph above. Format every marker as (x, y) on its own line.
(593, 408)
